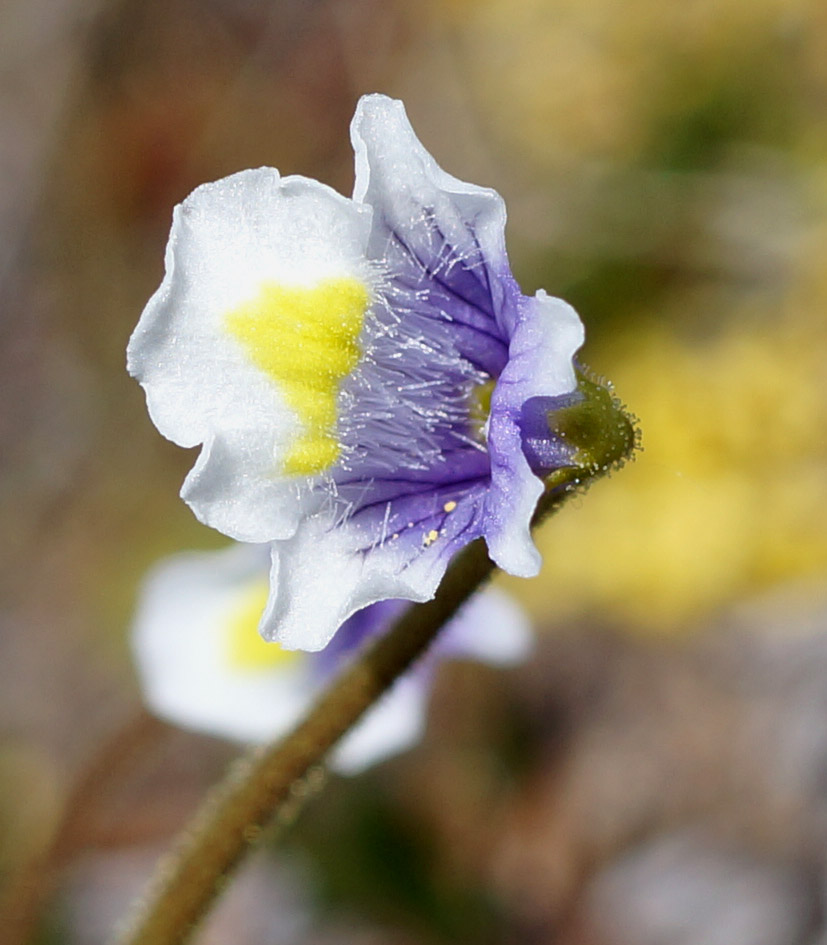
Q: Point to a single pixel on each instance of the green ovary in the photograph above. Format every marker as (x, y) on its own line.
(306, 340)
(245, 648)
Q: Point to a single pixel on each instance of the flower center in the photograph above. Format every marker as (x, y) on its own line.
(245, 649)
(479, 407)
(305, 339)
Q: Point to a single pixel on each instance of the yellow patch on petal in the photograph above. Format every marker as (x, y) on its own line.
(245, 649)
(305, 339)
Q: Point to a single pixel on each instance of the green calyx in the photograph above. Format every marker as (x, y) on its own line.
(597, 429)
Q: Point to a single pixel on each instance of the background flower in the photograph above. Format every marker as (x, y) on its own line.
(203, 665)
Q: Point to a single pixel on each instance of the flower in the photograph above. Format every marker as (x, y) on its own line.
(359, 373)
(203, 665)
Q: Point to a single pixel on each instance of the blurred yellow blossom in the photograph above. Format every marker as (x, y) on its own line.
(730, 492)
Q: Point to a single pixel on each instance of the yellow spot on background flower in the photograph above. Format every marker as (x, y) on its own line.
(245, 647)
(305, 339)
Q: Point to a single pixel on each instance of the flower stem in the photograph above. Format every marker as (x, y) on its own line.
(264, 785)
(263, 781)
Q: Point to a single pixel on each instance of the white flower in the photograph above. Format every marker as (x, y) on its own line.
(203, 665)
(358, 373)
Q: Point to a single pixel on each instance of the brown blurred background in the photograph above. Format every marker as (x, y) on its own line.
(658, 773)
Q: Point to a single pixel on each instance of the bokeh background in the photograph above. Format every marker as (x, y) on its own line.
(658, 772)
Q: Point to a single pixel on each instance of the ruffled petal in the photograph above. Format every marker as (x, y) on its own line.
(546, 337)
(441, 237)
(231, 241)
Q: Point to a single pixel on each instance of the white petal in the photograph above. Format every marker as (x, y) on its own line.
(321, 576)
(179, 639)
(228, 239)
(409, 192)
(491, 627)
(391, 725)
(180, 644)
